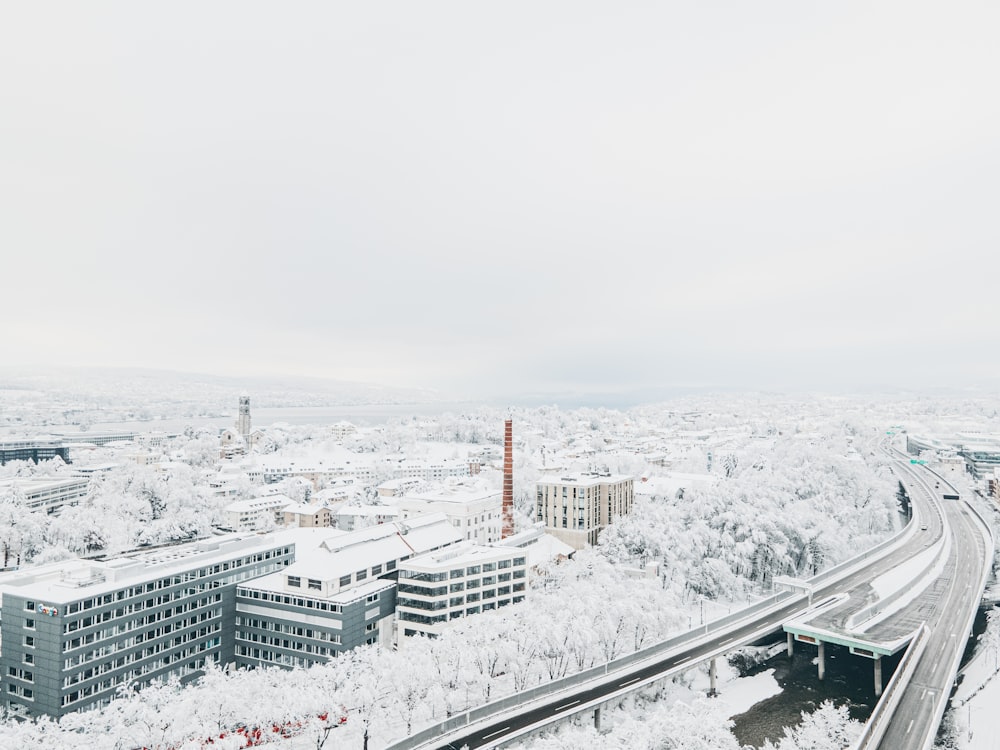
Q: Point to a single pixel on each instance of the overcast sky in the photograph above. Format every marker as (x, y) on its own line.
(505, 197)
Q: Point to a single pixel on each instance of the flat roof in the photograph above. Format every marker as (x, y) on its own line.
(584, 479)
(463, 553)
(347, 552)
(69, 580)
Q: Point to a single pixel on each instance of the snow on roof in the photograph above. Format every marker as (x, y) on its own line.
(456, 492)
(368, 511)
(349, 552)
(584, 479)
(259, 503)
(463, 553)
(70, 580)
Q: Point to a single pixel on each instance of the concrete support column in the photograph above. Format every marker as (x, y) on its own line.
(878, 676)
(712, 676)
(791, 645)
(597, 718)
(822, 660)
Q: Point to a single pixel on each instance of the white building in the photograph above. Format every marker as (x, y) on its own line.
(575, 507)
(353, 517)
(460, 580)
(46, 493)
(256, 513)
(335, 596)
(431, 471)
(474, 509)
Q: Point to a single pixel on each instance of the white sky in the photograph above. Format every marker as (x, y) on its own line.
(504, 197)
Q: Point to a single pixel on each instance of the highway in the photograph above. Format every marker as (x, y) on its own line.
(493, 732)
(958, 592)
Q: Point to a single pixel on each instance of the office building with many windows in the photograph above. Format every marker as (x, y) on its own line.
(464, 579)
(74, 632)
(336, 596)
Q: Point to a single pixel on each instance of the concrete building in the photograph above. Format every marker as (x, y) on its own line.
(340, 595)
(74, 632)
(36, 449)
(464, 579)
(47, 494)
(575, 507)
(472, 508)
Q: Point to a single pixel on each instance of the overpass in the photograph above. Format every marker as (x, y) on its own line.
(849, 589)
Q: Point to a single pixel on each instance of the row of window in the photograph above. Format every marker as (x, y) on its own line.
(292, 601)
(285, 628)
(121, 612)
(140, 654)
(150, 619)
(249, 636)
(474, 610)
(145, 588)
(125, 677)
(151, 635)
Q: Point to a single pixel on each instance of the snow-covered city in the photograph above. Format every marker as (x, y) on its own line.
(344, 583)
(531, 375)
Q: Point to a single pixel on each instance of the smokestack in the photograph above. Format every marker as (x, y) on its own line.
(508, 480)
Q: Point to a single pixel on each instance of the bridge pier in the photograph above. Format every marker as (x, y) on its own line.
(712, 677)
(878, 676)
(822, 660)
(791, 646)
(597, 718)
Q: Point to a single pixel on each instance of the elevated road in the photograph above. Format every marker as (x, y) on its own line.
(948, 607)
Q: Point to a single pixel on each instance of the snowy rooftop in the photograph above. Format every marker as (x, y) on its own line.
(463, 553)
(456, 492)
(583, 479)
(70, 580)
(368, 511)
(259, 503)
(349, 552)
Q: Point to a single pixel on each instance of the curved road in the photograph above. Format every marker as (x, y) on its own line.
(919, 712)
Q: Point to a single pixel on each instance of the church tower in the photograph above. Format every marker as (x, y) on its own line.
(243, 420)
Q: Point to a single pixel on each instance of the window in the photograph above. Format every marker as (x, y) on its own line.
(29, 641)
(29, 623)
(294, 581)
(29, 606)
(361, 575)
(372, 598)
(315, 585)
(345, 580)
(370, 627)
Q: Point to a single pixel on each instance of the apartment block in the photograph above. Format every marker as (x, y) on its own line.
(575, 507)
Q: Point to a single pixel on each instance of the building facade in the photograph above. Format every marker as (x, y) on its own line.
(575, 507)
(32, 450)
(461, 580)
(74, 632)
(47, 494)
(335, 597)
(475, 510)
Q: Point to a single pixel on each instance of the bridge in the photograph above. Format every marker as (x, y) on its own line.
(942, 557)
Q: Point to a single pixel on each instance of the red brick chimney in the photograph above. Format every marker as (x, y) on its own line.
(508, 480)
